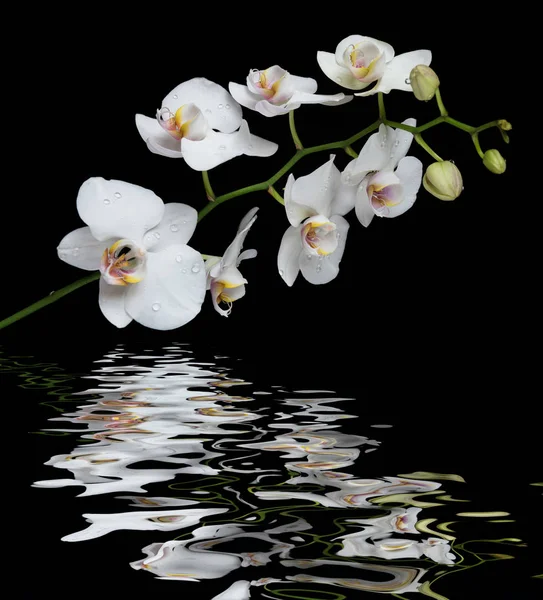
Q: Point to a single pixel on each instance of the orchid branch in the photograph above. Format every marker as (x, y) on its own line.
(207, 186)
(297, 142)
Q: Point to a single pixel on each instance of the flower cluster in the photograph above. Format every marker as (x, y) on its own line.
(138, 244)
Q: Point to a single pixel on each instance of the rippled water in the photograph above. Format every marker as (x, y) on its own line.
(257, 488)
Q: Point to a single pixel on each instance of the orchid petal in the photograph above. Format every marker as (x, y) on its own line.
(363, 208)
(327, 100)
(317, 189)
(352, 40)
(296, 213)
(304, 84)
(396, 76)
(230, 257)
(409, 172)
(221, 111)
(81, 249)
(271, 110)
(173, 290)
(118, 209)
(111, 299)
(176, 227)
(246, 254)
(320, 270)
(344, 199)
(399, 69)
(243, 95)
(231, 277)
(337, 73)
(218, 148)
(288, 259)
(401, 145)
(157, 140)
(373, 157)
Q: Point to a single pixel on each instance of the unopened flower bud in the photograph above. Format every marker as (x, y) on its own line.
(504, 125)
(494, 162)
(443, 180)
(424, 82)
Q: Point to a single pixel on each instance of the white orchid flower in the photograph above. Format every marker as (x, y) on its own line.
(315, 241)
(224, 279)
(276, 92)
(360, 61)
(387, 180)
(149, 274)
(186, 124)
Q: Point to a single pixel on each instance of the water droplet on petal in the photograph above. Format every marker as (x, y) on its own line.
(397, 143)
(107, 201)
(183, 270)
(118, 195)
(175, 96)
(220, 107)
(227, 106)
(338, 79)
(319, 268)
(207, 111)
(184, 222)
(157, 235)
(179, 258)
(174, 227)
(75, 251)
(408, 81)
(195, 268)
(250, 146)
(281, 272)
(222, 147)
(156, 306)
(309, 257)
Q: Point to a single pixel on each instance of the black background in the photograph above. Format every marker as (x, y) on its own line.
(431, 316)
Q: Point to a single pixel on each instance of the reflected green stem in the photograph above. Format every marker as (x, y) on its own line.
(208, 188)
(297, 142)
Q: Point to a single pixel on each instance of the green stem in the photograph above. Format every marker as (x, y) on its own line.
(418, 129)
(53, 297)
(382, 111)
(207, 185)
(294, 133)
(475, 140)
(275, 194)
(486, 126)
(423, 144)
(460, 125)
(351, 152)
(442, 110)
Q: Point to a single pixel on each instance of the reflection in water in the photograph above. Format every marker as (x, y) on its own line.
(261, 480)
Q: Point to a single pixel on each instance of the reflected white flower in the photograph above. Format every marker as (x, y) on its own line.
(137, 243)
(200, 122)
(387, 180)
(148, 520)
(224, 279)
(315, 241)
(275, 91)
(360, 61)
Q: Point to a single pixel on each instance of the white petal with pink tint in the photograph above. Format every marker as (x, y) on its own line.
(338, 73)
(409, 172)
(157, 140)
(221, 111)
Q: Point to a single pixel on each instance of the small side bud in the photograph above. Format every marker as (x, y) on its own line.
(494, 162)
(424, 82)
(504, 125)
(443, 180)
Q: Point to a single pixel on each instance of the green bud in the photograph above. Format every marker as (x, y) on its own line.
(494, 162)
(443, 180)
(424, 82)
(504, 125)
